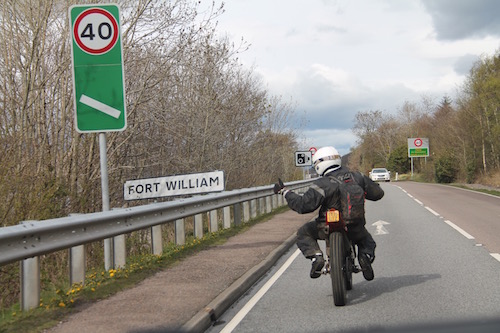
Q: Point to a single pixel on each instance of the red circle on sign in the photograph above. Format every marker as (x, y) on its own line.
(312, 150)
(417, 142)
(82, 45)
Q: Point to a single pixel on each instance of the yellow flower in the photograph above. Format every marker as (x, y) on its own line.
(62, 305)
(111, 274)
(93, 289)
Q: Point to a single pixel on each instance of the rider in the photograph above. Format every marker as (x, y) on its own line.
(324, 194)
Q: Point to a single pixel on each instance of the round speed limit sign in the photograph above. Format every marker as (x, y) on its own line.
(95, 31)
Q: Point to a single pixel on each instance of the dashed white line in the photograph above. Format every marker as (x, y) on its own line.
(451, 224)
(496, 256)
(460, 230)
(430, 210)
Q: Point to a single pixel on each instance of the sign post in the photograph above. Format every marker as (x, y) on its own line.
(99, 90)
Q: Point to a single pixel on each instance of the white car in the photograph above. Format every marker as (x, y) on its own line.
(380, 174)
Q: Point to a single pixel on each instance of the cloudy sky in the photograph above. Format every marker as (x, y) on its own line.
(334, 58)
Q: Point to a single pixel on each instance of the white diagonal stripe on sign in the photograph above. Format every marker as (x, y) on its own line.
(100, 106)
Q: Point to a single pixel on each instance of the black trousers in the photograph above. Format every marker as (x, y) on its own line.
(309, 233)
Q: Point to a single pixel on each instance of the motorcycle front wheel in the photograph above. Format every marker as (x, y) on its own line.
(337, 267)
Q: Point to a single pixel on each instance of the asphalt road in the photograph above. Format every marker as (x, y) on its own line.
(434, 266)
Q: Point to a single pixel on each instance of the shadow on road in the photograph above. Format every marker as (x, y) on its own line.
(365, 290)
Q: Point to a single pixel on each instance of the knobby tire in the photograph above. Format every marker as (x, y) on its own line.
(337, 262)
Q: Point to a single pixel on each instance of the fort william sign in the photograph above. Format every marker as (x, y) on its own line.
(196, 183)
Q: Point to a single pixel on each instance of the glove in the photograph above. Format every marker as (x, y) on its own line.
(279, 186)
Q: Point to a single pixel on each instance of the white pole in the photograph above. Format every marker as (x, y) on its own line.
(108, 247)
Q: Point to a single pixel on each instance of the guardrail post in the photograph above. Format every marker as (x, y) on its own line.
(214, 221)
(246, 211)
(156, 240)
(262, 206)
(180, 233)
(198, 226)
(119, 251)
(269, 207)
(227, 217)
(77, 264)
(237, 214)
(253, 208)
(30, 283)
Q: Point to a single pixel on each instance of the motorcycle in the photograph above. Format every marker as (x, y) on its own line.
(341, 255)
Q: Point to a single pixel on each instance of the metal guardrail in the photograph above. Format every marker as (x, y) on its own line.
(30, 239)
(35, 238)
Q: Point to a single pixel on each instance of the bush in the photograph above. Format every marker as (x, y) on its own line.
(399, 160)
(445, 169)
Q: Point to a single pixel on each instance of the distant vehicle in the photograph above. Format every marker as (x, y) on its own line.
(380, 174)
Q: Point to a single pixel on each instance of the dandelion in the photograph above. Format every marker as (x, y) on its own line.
(92, 289)
(62, 305)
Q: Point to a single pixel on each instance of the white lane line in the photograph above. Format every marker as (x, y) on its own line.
(93, 103)
(496, 256)
(430, 210)
(460, 230)
(451, 224)
(246, 309)
(418, 201)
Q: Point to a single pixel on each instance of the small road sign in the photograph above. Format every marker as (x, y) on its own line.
(303, 158)
(98, 77)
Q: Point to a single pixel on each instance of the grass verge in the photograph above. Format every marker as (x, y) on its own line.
(56, 302)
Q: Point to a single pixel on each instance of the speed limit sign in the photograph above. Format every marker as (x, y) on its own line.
(98, 77)
(95, 31)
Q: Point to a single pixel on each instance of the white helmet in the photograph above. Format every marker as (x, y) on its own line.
(326, 158)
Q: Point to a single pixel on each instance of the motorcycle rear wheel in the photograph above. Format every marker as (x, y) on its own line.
(337, 268)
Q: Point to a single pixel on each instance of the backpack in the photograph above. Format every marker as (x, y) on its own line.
(352, 197)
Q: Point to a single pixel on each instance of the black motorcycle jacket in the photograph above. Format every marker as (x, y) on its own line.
(324, 193)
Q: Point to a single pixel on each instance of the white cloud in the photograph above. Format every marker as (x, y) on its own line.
(336, 58)
(341, 139)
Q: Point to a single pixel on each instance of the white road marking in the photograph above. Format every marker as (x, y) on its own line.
(419, 202)
(381, 230)
(246, 309)
(460, 230)
(100, 106)
(496, 256)
(430, 210)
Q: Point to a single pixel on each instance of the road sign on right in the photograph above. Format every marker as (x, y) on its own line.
(418, 147)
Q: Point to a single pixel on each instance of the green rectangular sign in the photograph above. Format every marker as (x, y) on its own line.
(418, 152)
(98, 78)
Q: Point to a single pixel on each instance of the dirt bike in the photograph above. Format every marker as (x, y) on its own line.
(341, 254)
